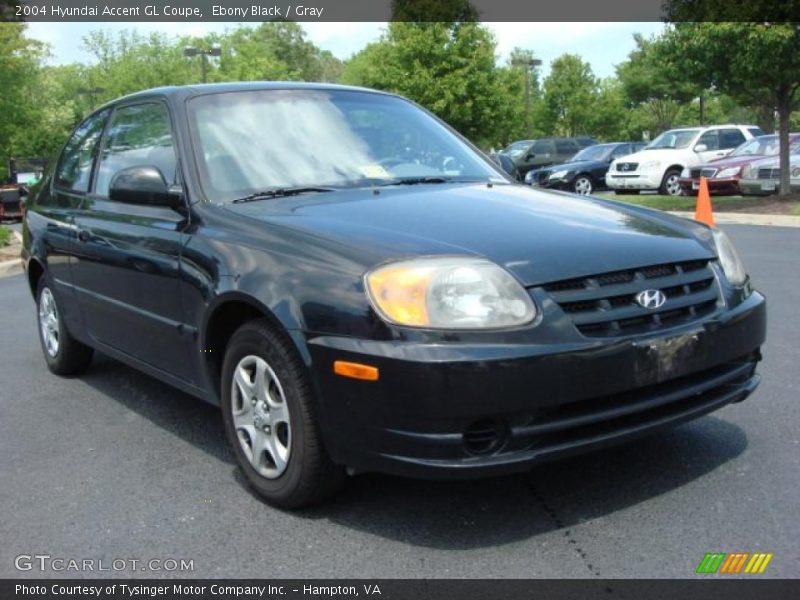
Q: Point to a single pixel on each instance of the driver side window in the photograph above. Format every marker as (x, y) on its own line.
(710, 139)
(139, 135)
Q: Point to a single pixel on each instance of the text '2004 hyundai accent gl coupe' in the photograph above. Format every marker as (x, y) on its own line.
(359, 288)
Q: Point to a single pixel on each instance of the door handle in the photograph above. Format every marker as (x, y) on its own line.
(84, 235)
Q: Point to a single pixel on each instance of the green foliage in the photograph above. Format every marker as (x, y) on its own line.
(5, 236)
(568, 97)
(449, 70)
(441, 11)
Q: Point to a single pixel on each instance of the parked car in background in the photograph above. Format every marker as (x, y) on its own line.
(659, 165)
(507, 164)
(586, 171)
(763, 177)
(23, 172)
(530, 154)
(723, 174)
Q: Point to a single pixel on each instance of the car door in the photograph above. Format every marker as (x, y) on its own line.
(566, 149)
(541, 154)
(56, 205)
(127, 270)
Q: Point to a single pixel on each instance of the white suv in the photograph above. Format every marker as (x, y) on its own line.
(659, 165)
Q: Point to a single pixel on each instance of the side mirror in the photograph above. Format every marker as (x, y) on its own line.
(700, 148)
(142, 185)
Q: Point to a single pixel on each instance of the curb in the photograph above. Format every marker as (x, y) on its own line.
(724, 218)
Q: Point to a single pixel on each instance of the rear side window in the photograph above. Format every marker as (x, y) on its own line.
(730, 138)
(138, 136)
(75, 166)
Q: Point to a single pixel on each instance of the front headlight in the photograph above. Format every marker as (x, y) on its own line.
(728, 259)
(650, 164)
(529, 177)
(558, 174)
(448, 293)
(729, 172)
(686, 173)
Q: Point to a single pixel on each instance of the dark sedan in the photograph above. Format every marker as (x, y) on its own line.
(723, 174)
(361, 289)
(586, 171)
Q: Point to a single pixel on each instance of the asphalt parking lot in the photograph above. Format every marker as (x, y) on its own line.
(118, 465)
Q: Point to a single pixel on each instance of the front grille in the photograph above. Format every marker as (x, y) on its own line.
(627, 166)
(605, 305)
(707, 172)
(769, 173)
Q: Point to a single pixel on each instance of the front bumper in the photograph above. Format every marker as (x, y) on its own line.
(765, 187)
(456, 410)
(720, 187)
(633, 181)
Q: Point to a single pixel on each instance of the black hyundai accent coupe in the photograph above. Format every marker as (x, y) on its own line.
(360, 289)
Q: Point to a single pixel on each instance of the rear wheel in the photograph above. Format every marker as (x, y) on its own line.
(270, 420)
(63, 354)
(583, 185)
(671, 185)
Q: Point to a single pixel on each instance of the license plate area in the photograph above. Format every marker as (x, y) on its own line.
(664, 358)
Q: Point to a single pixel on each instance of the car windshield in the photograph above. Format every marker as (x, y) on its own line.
(517, 148)
(599, 152)
(766, 145)
(249, 142)
(675, 138)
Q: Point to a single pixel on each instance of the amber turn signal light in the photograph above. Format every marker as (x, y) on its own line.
(355, 370)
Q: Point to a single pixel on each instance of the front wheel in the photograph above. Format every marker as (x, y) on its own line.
(671, 185)
(269, 419)
(63, 354)
(583, 185)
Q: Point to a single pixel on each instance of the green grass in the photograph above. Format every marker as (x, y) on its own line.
(673, 202)
(5, 237)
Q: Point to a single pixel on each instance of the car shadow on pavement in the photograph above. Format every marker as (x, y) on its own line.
(190, 418)
(553, 496)
(464, 514)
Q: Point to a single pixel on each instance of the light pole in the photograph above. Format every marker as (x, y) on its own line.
(529, 64)
(215, 50)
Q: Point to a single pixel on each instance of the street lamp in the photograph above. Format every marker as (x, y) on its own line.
(215, 50)
(529, 64)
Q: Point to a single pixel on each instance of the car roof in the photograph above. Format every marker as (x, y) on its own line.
(187, 91)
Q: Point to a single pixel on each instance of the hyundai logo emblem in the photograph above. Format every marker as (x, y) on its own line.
(651, 299)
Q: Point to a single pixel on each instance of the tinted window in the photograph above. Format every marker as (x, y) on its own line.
(138, 136)
(620, 151)
(730, 138)
(710, 139)
(566, 147)
(75, 167)
(542, 148)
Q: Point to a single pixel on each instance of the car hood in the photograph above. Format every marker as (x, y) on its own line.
(538, 236)
(733, 161)
(578, 165)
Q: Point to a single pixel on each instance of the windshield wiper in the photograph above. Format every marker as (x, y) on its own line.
(427, 179)
(282, 193)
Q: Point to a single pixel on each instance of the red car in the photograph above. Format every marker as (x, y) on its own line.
(723, 174)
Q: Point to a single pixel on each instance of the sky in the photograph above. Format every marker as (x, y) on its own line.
(603, 45)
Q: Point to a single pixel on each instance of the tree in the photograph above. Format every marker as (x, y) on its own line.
(447, 68)
(755, 63)
(654, 79)
(568, 96)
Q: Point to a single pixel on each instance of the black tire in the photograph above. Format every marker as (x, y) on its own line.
(626, 192)
(71, 357)
(309, 476)
(671, 185)
(583, 184)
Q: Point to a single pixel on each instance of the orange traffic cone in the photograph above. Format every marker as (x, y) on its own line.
(704, 212)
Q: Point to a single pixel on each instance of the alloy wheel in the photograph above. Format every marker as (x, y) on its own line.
(48, 322)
